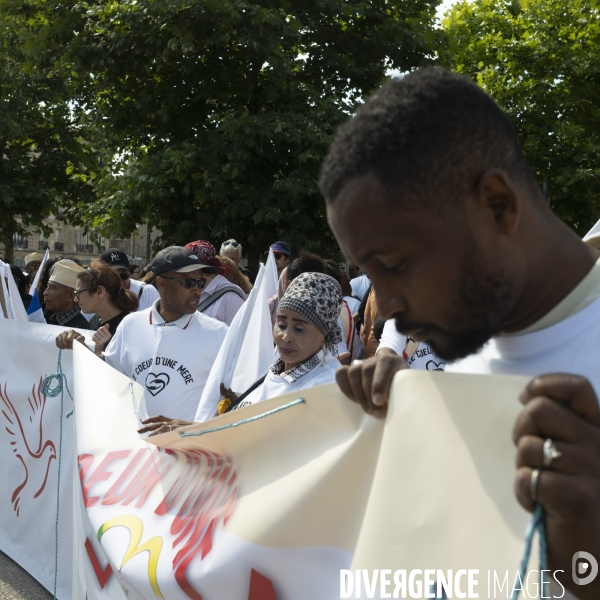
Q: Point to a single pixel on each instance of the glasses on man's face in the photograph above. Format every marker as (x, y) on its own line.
(278, 256)
(188, 282)
(234, 244)
(77, 292)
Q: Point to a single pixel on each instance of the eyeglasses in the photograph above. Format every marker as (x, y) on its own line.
(77, 292)
(234, 244)
(188, 282)
(278, 256)
(124, 275)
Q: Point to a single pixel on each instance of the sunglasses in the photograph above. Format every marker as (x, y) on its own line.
(277, 255)
(188, 282)
(234, 244)
(77, 292)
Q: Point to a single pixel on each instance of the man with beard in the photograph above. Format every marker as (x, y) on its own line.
(429, 193)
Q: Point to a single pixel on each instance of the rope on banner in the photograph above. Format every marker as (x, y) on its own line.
(537, 524)
(53, 392)
(135, 410)
(244, 421)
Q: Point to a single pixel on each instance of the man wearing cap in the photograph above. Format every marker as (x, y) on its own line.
(117, 259)
(233, 250)
(170, 348)
(32, 263)
(283, 255)
(220, 299)
(59, 296)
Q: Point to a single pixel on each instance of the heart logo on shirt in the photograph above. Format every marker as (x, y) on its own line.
(433, 366)
(155, 384)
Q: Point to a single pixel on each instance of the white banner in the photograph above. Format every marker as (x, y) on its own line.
(29, 446)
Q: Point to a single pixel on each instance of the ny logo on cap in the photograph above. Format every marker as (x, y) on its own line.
(114, 257)
(193, 256)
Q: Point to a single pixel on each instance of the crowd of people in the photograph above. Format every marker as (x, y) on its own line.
(465, 269)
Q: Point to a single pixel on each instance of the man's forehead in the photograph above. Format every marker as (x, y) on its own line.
(197, 274)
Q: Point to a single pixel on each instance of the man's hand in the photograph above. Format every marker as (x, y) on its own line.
(368, 382)
(563, 409)
(159, 424)
(65, 339)
(101, 337)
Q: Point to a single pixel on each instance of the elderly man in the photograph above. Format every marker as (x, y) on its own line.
(117, 259)
(59, 296)
(429, 193)
(220, 299)
(170, 347)
(233, 250)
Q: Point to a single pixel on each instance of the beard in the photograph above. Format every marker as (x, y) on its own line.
(480, 304)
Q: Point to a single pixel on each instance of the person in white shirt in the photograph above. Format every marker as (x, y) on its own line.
(220, 299)
(117, 259)
(466, 255)
(306, 334)
(360, 286)
(169, 348)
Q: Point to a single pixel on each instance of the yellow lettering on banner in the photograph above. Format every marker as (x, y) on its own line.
(152, 546)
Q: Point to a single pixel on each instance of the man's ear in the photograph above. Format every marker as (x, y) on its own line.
(497, 193)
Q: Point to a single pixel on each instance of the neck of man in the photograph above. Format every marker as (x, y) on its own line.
(168, 315)
(64, 310)
(560, 260)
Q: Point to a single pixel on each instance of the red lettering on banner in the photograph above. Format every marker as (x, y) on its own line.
(111, 497)
(100, 475)
(101, 574)
(261, 588)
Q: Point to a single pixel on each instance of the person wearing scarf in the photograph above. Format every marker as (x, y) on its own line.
(306, 334)
(225, 307)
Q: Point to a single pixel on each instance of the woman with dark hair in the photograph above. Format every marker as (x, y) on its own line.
(99, 291)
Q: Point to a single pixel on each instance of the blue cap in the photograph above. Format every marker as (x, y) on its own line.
(280, 247)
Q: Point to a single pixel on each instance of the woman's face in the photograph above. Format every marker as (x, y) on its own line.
(87, 302)
(296, 338)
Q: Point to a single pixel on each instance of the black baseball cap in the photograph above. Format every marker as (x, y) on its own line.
(116, 258)
(177, 259)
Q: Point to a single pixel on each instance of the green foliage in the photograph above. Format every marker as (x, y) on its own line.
(213, 116)
(540, 59)
(38, 137)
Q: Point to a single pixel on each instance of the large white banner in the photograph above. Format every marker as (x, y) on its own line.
(299, 498)
(30, 440)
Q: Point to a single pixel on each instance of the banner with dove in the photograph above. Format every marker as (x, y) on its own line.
(294, 497)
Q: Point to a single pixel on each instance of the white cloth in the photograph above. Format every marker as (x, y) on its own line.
(353, 304)
(226, 307)
(570, 346)
(423, 358)
(171, 361)
(360, 286)
(276, 385)
(149, 296)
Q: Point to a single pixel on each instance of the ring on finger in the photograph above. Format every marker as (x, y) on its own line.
(357, 362)
(550, 453)
(170, 428)
(534, 483)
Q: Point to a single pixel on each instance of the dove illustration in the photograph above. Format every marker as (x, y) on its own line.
(28, 443)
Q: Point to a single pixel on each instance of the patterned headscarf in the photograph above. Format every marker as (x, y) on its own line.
(207, 255)
(318, 298)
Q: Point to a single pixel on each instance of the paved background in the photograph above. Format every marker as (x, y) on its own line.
(17, 584)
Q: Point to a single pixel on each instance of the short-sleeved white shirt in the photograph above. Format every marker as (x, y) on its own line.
(149, 296)
(171, 361)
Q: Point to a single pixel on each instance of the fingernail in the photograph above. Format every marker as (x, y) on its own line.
(378, 399)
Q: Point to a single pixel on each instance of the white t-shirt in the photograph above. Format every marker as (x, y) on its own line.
(278, 385)
(422, 358)
(360, 286)
(569, 346)
(149, 296)
(171, 361)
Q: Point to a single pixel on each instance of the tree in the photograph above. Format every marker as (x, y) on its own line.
(540, 60)
(213, 116)
(38, 136)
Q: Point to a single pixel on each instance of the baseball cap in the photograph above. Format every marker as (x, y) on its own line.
(280, 247)
(177, 259)
(116, 258)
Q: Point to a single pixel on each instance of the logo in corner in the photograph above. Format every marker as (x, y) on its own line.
(585, 568)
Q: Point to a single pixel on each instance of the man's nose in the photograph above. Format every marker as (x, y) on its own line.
(389, 302)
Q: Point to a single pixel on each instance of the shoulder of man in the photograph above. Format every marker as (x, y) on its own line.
(209, 323)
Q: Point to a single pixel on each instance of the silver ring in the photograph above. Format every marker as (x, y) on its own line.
(550, 452)
(534, 483)
(358, 362)
(170, 427)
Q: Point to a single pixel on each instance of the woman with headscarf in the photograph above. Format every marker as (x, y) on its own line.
(306, 335)
(220, 299)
